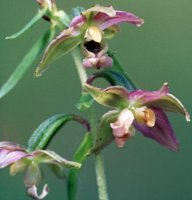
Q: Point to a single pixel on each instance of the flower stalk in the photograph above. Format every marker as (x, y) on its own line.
(99, 165)
(101, 179)
(78, 63)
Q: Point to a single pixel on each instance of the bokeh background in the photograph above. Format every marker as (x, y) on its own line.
(159, 51)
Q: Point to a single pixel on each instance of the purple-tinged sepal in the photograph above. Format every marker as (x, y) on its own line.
(162, 132)
(114, 97)
(62, 44)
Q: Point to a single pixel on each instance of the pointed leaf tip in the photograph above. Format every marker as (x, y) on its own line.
(36, 18)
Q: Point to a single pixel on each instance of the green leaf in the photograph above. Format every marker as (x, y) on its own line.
(118, 68)
(104, 134)
(79, 156)
(46, 130)
(85, 101)
(115, 78)
(26, 62)
(36, 18)
(61, 45)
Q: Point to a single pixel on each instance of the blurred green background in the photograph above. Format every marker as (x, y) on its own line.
(159, 51)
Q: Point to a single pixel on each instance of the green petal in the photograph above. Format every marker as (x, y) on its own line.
(50, 157)
(32, 175)
(25, 63)
(61, 45)
(36, 18)
(115, 97)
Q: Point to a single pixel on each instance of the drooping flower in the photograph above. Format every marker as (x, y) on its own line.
(143, 110)
(20, 159)
(90, 29)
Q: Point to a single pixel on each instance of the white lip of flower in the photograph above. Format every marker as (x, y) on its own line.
(122, 128)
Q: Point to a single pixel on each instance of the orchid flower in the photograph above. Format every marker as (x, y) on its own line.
(143, 110)
(20, 159)
(90, 29)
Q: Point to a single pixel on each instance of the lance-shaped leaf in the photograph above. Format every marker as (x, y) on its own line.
(62, 44)
(26, 62)
(42, 136)
(36, 18)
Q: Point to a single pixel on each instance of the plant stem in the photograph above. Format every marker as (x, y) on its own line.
(101, 180)
(99, 166)
(78, 62)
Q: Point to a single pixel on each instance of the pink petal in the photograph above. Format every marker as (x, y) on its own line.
(78, 20)
(141, 97)
(121, 16)
(11, 157)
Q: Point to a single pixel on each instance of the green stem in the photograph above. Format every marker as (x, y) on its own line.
(99, 163)
(99, 166)
(78, 62)
(101, 180)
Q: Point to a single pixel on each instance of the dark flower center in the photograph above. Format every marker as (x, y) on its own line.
(93, 46)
